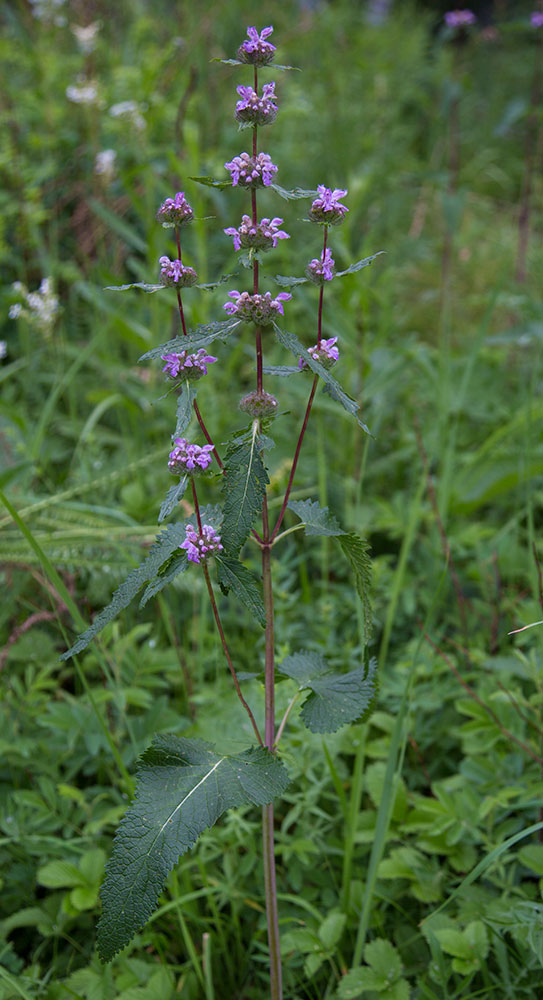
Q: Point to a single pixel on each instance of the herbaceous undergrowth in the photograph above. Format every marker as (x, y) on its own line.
(184, 785)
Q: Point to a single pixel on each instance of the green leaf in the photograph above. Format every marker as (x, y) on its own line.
(288, 281)
(60, 875)
(201, 336)
(211, 182)
(454, 943)
(293, 195)
(135, 284)
(356, 982)
(532, 857)
(384, 959)
(283, 370)
(166, 543)
(244, 484)
(173, 496)
(183, 786)
(185, 407)
(357, 551)
(177, 566)
(317, 520)
(233, 575)
(335, 699)
(290, 341)
(359, 264)
(331, 929)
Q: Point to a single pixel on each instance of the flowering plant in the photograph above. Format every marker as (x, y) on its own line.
(184, 785)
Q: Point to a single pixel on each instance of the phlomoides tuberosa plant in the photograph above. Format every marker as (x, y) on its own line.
(184, 785)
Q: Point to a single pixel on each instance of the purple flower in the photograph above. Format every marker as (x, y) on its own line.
(175, 211)
(185, 366)
(327, 206)
(459, 18)
(249, 172)
(255, 109)
(189, 458)
(201, 546)
(261, 236)
(321, 269)
(174, 273)
(259, 309)
(257, 50)
(536, 19)
(327, 353)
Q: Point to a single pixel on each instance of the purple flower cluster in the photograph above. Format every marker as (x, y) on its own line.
(321, 269)
(189, 458)
(261, 236)
(201, 546)
(536, 19)
(185, 366)
(249, 172)
(460, 18)
(254, 108)
(175, 211)
(174, 272)
(327, 353)
(259, 309)
(327, 206)
(257, 50)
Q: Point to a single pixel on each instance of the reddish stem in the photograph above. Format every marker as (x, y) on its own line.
(296, 457)
(207, 435)
(196, 505)
(321, 295)
(181, 313)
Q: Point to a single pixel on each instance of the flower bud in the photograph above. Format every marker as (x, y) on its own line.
(257, 51)
(175, 274)
(259, 404)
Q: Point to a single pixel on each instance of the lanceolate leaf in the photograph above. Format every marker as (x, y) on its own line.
(179, 564)
(357, 551)
(211, 182)
(165, 545)
(335, 699)
(183, 786)
(290, 341)
(286, 281)
(292, 195)
(233, 575)
(145, 287)
(201, 336)
(244, 483)
(317, 520)
(289, 282)
(173, 496)
(185, 406)
(283, 370)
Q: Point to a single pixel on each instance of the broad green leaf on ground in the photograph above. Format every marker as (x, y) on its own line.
(382, 974)
(166, 543)
(233, 575)
(201, 336)
(317, 520)
(173, 496)
(357, 551)
(290, 341)
(294, 194)
(288, 282)
(183, 786)
(244, 484)
(185, 407)
(179, 564)
(335, 699)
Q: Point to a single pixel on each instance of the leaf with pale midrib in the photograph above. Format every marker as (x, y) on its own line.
(183, 786)
(201, 336)
(244, 484)
(335, 699)
(233, 575)
(173, 496)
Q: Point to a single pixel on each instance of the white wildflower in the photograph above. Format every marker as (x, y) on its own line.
(85, 93)
(104, 164)
(130, 110)
(86, 36)
(3, 349)
(42, 306)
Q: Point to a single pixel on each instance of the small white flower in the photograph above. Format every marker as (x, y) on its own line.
(3, 349)
(86, 36)
(86, 93)
(15, 311)
(128, 109)
(104, 163)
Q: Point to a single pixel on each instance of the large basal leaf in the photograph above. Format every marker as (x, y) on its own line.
(166, 543)
(357, 551)
(335, 699)
(233, 575)
(290, 341)
(185, 407)
(183, 786)
(317, 520)
(203, 335)
(244, 484)
(173, 496)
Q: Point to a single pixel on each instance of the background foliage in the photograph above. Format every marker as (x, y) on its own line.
(391, 821)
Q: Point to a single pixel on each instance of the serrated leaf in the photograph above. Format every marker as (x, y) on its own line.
(282, 370)
(244, 484)
(357, 981)
(166, 543)
(238, 62)
(454, 943)
(185, 407)
(294, 194)
(203, 335)
(317, 520)
(178, 565)
(173, 496)
(145, 287)
(233, 575)
(335, 699)
(211, 182)
(357, 551)
(287, 281)
(290, 341)
(383, 958)
(183, 786)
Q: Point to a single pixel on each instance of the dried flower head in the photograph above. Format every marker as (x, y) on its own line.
(187, 367)
(174, 272)
(257, 50)
(175, 211)
(249, 172)
(327, 206)
(260, 236)
(201, 546)
(259, 309)
(189, 458)
(256, 109)
(259, 404)
(326, 352)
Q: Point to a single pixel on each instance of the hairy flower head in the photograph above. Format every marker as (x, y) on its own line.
(321, 269)
(249, 172)
(327, 206)
(201, 546)
(254, 108)
(260, 236)
(256, 50)
(259, 309)
(327, 353)
(174, 273)
(189, 458)
(187, 367)
(175, 211)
